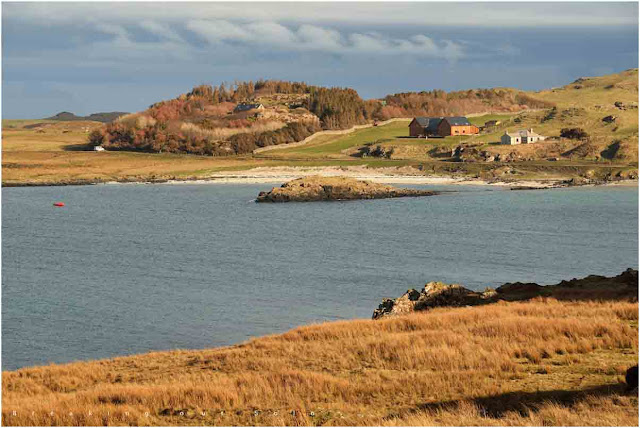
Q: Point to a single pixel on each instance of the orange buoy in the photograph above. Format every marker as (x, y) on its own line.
(58, 204)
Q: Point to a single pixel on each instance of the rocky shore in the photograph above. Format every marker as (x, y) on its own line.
(438, 294)
(317, 188)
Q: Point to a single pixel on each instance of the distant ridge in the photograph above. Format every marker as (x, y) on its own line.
(104, 117)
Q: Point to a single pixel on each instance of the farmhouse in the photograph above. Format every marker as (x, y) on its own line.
(525, 136)
(441, 126)
(457, 125)
(246, 107)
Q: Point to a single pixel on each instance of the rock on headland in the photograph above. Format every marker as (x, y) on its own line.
(438, 294)
(316, 188)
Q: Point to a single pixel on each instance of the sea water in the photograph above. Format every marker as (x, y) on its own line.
(124, 269)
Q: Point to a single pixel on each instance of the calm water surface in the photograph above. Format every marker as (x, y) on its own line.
(130, 268)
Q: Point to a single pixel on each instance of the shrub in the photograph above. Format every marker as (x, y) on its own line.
(293, 132)
(96, 138)
(574, 133)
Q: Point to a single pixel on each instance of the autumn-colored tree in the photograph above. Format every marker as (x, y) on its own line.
(337, 108)
(96, 138)
(441, 103)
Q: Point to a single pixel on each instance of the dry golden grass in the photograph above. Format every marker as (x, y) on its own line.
(58, 154)
(71, 167)
(542, 362)
(44, 135)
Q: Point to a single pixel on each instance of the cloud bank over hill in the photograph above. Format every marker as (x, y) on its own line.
(311, 38)
(124, 56)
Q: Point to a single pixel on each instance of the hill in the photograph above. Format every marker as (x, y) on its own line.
(603, 110)
(106, 117)
(545, 361)
(591, 127)
(225, 121)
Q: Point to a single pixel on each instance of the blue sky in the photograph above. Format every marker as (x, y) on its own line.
(90, 57)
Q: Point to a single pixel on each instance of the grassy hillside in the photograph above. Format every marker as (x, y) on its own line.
(584, 104)
(610, 148)
(542, 362)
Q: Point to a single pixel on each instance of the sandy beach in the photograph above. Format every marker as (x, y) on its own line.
(378, 175)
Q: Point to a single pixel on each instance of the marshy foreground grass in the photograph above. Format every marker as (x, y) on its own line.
(539, 362)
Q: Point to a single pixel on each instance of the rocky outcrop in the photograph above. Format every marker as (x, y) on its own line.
(433, 295)
(625, 106)
(316, 188)
(438, 294)
(464, 153)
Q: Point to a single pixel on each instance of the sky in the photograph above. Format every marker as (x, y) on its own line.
(120, 56)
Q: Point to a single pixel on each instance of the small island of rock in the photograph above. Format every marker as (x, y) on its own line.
(316, 188)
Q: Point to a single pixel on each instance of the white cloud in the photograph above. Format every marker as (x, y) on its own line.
(366, 43)
(323, 38)
(217, 30)
(316, 38)
(116, 30)
(160, 30)
(122, 46)
(271, 33)
(425, 42)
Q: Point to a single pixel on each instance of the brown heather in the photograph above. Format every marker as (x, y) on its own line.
(541, 362)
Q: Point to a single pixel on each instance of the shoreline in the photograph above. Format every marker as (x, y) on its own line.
(509, 292)
(264, 175)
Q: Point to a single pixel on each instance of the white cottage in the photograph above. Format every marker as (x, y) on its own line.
(525, 136)
(511, 138)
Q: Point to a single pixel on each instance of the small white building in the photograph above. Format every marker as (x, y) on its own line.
(524, 136)
(511, 138)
